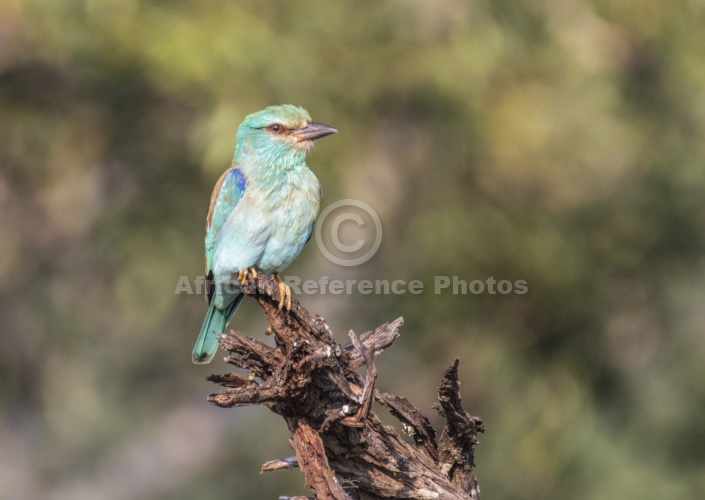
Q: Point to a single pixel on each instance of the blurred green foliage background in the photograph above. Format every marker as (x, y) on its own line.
(557, 142)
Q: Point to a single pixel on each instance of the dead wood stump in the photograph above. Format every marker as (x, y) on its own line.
(341, 446)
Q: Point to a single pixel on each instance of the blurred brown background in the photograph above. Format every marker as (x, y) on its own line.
(556, 142)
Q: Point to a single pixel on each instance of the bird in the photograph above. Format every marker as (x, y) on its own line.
(262, 212)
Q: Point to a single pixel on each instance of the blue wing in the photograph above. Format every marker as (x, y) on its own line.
(227, 193)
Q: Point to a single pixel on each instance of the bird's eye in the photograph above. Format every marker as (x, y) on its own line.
(276, 128)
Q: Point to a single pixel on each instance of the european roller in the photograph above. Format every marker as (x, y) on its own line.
(262, 212)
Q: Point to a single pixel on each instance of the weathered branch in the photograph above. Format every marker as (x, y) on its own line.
(246, 352)
(281, 463)
(311, 456)
(380, 339)
(368, 389)
(341, 446)
(459, 436)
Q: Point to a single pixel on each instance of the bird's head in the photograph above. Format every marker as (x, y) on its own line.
(279, 130)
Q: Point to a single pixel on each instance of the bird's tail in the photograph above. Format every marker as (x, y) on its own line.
(215, 323)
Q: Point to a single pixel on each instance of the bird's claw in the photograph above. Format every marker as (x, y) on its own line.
(284, 295)
(245, 275)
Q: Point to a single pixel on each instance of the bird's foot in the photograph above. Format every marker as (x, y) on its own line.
(284, 294)
(245, 275)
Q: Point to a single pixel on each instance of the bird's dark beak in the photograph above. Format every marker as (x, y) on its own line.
(313, 131)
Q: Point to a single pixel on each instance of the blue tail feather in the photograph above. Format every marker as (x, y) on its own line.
(215, 323)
